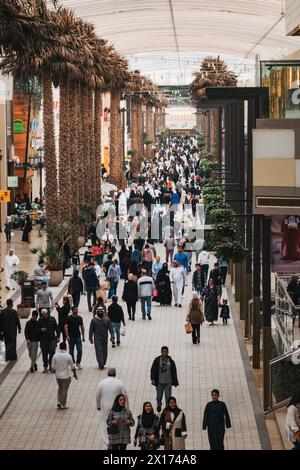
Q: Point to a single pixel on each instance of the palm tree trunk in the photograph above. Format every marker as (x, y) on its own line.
(80, 146)
(116, 155)
(85, 155)
(97, 133)
(64, 152)
(140, 132)
(91, 134)
(149, 130)
(134, 136)
(74, 105)
(51, 189)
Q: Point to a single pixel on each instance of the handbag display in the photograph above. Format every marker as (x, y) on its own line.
(188, 328)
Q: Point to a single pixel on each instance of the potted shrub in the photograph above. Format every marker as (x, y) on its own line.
(23, 308)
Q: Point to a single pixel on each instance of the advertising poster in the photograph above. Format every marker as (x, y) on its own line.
(285, 243)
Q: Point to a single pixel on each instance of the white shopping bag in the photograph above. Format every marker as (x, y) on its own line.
(123, 330)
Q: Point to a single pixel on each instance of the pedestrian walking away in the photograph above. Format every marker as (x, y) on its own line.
(74, 332)
(116, 316)
(9, 326)
(32, 336)
(98, 334)
(195, 317)
(163, 376)
(62, 365)
(215, 418)
(49, 337)
(106, 393)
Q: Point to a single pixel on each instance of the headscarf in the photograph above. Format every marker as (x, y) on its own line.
(148, 418)
(173, 410)
(116, 406)
(165, 268)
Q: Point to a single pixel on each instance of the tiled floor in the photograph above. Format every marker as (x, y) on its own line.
(33, 422)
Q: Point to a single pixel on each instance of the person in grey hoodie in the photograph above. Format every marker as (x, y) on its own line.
(145, 291)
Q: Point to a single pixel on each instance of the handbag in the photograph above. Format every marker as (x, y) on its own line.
(12, 234)
(113, 429)
(188, 328)
(123, 330)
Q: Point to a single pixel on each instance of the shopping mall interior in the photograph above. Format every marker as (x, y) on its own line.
(150, 170)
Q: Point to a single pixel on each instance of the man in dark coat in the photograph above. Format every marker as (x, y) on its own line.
(215, 417)
(100, 326)
(91, 284)
(9, 324)
(163, 376)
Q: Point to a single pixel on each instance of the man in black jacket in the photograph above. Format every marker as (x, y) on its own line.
(9, 324)
(32, 336)
(116, 316)
(163, 376)
(49, 337)
(91, 284)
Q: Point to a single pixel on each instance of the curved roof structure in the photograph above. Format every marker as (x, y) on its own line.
(237, 28)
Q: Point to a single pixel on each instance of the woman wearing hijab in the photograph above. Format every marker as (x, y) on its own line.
(173, 425)
(118, 424)
(147, 431)
(63, 313)
(211, 297)
(27, 229)
(163, 286)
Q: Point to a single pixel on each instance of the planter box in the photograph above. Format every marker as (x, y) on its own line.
(56, 278)
(23, 312)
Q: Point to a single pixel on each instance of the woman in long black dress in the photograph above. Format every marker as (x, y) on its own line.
(163, 286)
(211, 301)
(27, 229)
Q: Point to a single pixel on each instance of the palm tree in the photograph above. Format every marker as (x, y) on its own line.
(97, 135)
(213, 73)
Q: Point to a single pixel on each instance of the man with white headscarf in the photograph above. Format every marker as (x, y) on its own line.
(11, 262)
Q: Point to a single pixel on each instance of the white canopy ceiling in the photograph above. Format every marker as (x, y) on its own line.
(238, 28)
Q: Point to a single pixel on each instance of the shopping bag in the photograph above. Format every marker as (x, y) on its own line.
(123, 330)
(188, 327)
(12, 234)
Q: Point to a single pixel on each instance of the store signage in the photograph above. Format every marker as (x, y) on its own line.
(18, 126)
(12, 181)
(4, 195)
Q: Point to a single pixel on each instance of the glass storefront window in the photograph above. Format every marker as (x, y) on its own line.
(283, 80)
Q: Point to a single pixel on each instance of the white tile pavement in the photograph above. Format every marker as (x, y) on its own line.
(33, 422)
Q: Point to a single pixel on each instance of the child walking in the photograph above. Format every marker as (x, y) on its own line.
(224, 311)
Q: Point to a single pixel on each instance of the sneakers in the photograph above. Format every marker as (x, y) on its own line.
(58, 405)
(113, 345)
(175, 305)
(64, 407)
(35, 366)
(179, 305)
(51, 370)
(79, 366)
(45, 371)
(158, 409)
(31, 369)
(101, 366)
(118, 343)
(149, 317)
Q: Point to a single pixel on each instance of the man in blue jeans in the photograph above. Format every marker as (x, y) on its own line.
(145, 291)
(163, 376)
(73, 328)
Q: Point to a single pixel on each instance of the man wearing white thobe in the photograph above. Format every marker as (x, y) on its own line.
(178, 279)
(106, 393)
(11, 262)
